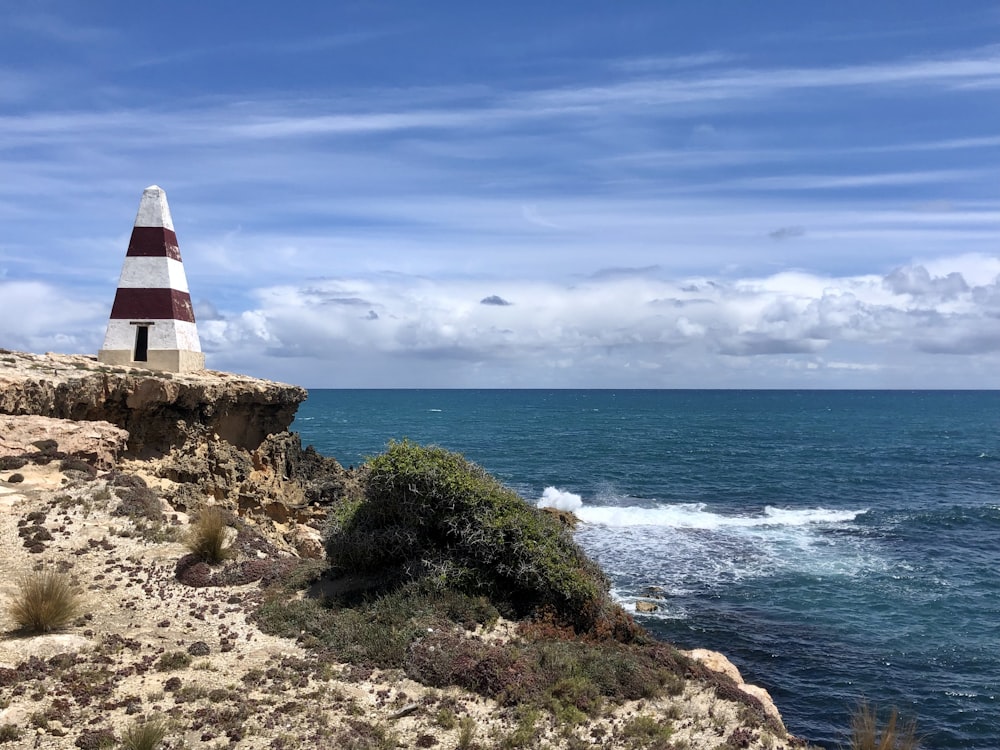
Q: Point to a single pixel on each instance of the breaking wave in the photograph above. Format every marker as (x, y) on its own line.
(688, 515)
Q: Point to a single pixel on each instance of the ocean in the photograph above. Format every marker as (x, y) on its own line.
(838, 546)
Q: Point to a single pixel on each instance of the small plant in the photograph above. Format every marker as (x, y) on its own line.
(445, 718)
(138, 503)
(12, 462)
(45, 601)
(9, 733)
(72, 463)
(525, 733)
(144, 735)
(207, 538)
(866, 734)
(466, 733)
(645, 731)
(361, 735)
(173, 660)
(96, 739)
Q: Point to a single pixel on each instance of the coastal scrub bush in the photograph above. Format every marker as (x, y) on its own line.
(173, 660)
(646, 732)
(45, 601)
(47, 446)
(207, 537)
(139, 503)
(429, 514)
(12, 462)
(9, 733)
(570, 678)
(71, 463)
(376, 632)
(867, 734)
(96, 739)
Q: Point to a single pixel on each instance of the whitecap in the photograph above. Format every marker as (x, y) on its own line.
(696, 516)
(553, 497)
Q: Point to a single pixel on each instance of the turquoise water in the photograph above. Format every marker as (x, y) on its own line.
(837, 545)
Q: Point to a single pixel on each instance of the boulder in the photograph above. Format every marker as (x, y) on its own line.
(98, 443)
(719, 663)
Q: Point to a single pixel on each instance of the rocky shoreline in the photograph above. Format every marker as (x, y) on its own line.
(102, 470)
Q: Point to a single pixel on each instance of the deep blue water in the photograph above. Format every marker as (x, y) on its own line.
(836, 545)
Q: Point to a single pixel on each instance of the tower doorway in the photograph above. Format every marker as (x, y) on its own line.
(141, 343)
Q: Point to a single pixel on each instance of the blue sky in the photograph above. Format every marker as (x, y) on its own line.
(443, 194)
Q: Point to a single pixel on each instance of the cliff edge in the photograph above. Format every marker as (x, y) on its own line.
(160, 410)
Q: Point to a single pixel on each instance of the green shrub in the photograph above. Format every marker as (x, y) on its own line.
(445, 718)
(173, 660)
(570, 678)
(429, 514)
(139, 503)
(647, 732)
(867, 734)
(44, 602)
(362, 735)
(144, 735)
(376, 632)
(207, 537)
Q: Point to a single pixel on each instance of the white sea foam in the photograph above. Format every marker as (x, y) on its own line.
(696, 516)
(553, 497)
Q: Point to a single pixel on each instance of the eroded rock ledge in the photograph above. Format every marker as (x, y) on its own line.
(159, 410)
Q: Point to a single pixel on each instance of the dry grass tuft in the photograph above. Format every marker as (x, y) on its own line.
(145, 735)
(207, 538)
(867, 735)
(44, 602)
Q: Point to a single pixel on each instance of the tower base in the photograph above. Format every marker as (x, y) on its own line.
(164, 360)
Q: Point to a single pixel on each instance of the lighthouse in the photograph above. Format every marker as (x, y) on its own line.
(152, 320)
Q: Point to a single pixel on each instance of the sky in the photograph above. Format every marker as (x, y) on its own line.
(508, 195)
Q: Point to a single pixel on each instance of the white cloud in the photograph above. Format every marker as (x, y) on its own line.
(623, 329)
(41, 317)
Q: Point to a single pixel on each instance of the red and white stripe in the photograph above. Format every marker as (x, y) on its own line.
(152, 289)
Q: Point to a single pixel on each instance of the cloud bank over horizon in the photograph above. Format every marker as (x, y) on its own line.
(619, 329)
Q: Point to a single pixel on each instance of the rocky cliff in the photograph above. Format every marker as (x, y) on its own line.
(200, 438)
(159, 410)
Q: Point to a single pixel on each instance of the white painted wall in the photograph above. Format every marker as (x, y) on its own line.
(153, 209)
(163, 334)
(153, 273)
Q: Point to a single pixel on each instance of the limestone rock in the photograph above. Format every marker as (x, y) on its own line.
(159, 410)
(643, 606)
(97, 443)
(719, 663)
(308, 542)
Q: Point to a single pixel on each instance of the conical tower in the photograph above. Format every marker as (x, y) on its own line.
(152, 321)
